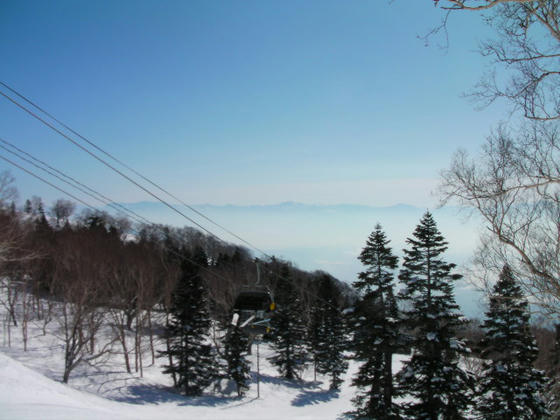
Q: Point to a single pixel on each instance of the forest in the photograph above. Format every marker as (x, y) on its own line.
(167, 294)
(158, 295)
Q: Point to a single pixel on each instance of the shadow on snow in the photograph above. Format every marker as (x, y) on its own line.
(154, 394)
(268, 379)
(309, 397)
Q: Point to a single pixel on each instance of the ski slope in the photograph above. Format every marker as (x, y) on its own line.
(28, 394)
(31, 387)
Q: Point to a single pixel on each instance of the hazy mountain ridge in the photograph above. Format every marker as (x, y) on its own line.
(324, 237)
(287, 205)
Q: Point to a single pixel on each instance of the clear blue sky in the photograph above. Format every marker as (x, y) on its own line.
(246, 102)
(253, 102)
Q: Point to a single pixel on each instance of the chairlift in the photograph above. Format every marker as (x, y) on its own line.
(252, 308)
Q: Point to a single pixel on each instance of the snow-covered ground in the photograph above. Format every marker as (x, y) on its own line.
(31, 388)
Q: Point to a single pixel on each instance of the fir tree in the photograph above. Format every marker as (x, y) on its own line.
(376, 330)
(191, 357)
(313, 333)
(328, 334)
(553, 385)
(27, 207)
(510, 387)
(288, 330)
(236, 347)
(432, 378)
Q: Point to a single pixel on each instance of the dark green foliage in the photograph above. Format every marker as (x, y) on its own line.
(27, 207)
(510, 387)
(327, 334)
(236, 347)
(432, 378)
(192, 359)
(288, 330)
(376, 331)
(552, 390)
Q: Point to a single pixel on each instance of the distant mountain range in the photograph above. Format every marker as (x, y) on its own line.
(158, 207)
(323, 237)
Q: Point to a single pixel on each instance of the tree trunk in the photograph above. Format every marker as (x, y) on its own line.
(168, 348)
(150, 326)
(122, 335)
(388, 385)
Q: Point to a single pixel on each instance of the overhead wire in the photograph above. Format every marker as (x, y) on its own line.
(69, 180)
(137, 173)
(79, 200)
(175, 253)
(85, 149)
(89, 152)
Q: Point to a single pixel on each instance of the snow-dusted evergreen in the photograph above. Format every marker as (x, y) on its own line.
(288, 330)
(328, 334)
(552, 388)
(432, 380)
(376, 332)
(510, 388)
(238, 368)
(190, 354)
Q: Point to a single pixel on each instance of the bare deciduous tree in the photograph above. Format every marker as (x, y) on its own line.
(515, 183)
(515, 186)
(61, 210)
(8, 192)
(78, 281)
(15, 255)
(526, 47)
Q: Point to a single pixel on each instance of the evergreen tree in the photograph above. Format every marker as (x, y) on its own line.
(432, 380)
(375, 330)
(191, 357)
(288, 330)
(510, 387)
(328, 334)
(27, 207)
(236, 347)
(553, 385)
(313, 333)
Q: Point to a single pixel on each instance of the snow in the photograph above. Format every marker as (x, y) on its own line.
(31, 388)
(431, 336)
(26, 394)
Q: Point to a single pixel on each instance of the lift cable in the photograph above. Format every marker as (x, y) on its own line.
(52, 127)
(181, 256)
(85, 149)
(70, 181)
(137, 173)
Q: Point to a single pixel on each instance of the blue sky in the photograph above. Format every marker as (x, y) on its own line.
(252, 103)
(247, 102)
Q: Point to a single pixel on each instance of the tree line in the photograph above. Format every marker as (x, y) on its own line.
(150, 284)
(451, 373)
(168, 293)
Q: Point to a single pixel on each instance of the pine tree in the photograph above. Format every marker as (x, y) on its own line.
(236, 347)
(288, 330)
(375, 330)
(328, 334)
(432, 378)
(192, 358)
(510, 387)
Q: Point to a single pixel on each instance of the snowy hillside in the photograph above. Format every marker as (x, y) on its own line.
(30, 388)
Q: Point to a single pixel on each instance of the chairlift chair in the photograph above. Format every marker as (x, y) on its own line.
(252, 309)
